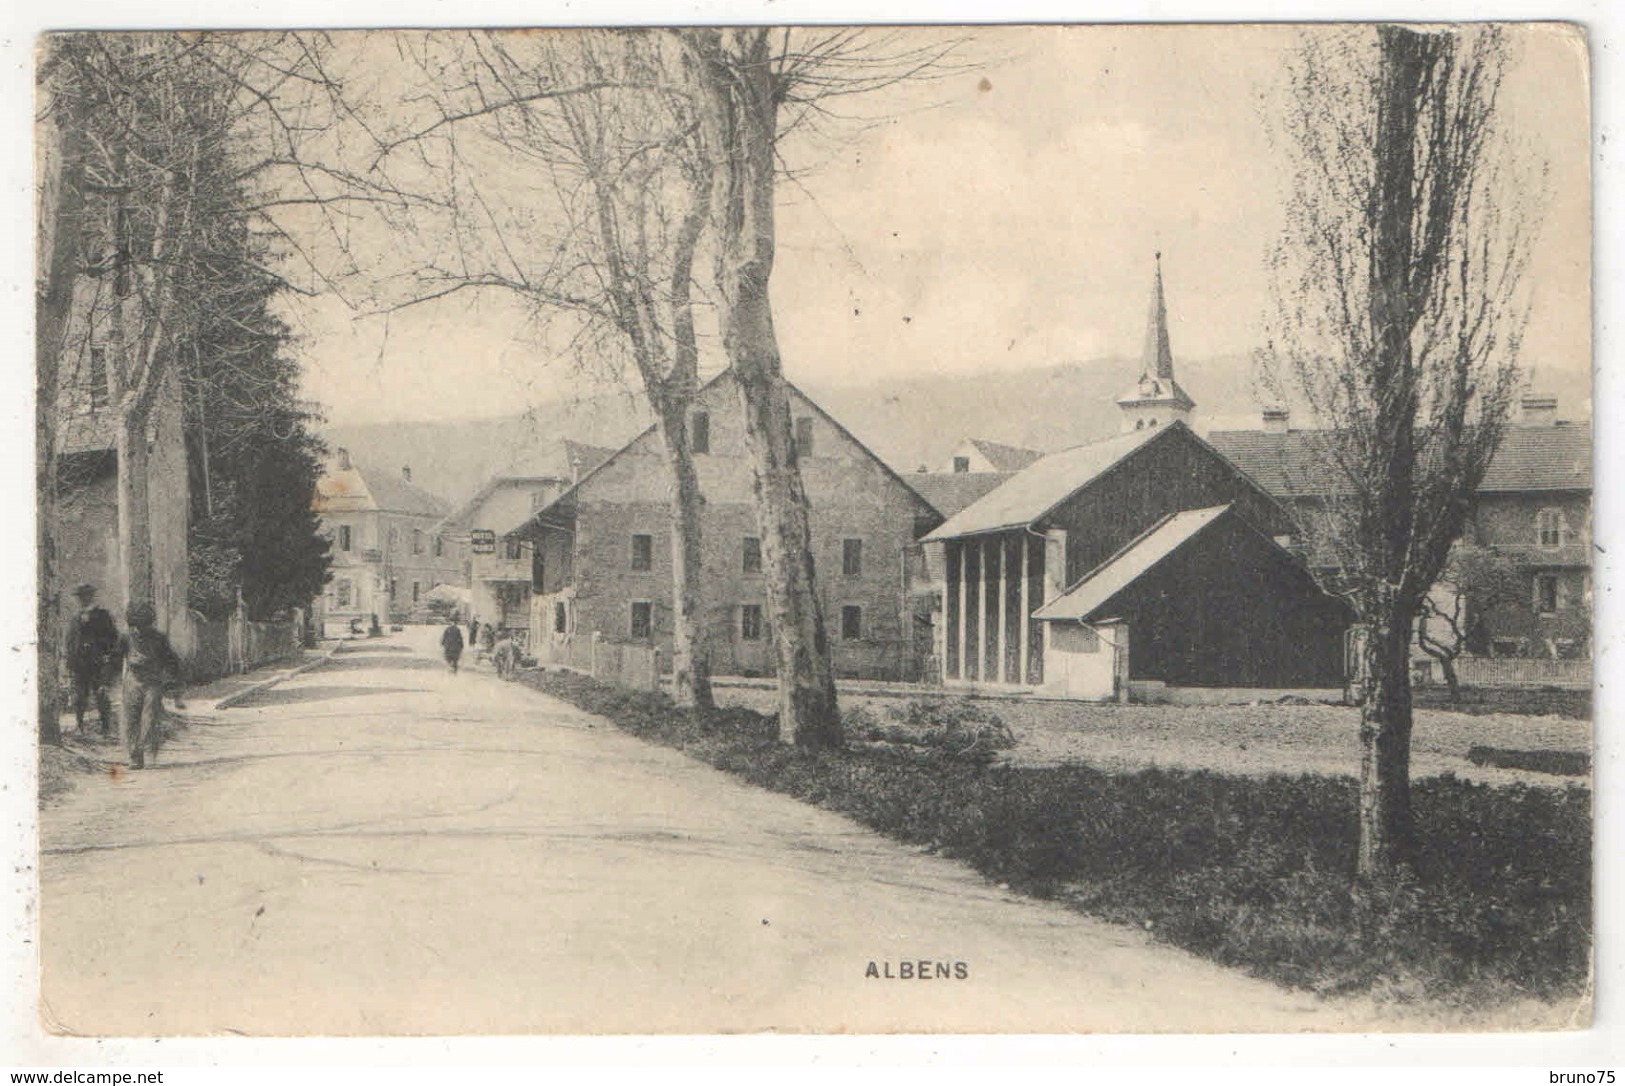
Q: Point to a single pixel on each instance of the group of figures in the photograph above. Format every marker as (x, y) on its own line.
(488, 641)
(98, 655)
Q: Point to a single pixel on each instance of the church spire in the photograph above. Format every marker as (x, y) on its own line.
(1159, 357)
(1156, 399)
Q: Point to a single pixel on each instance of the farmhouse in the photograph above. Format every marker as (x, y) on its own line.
(601, 552)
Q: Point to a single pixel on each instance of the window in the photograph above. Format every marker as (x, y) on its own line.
(750, 622)
(98, 378)
(417, 592)
(513, 549)
(699, 432)
(1549, 525)
(852, 557)
(1548, 594)
(394, 537)
(344, 539)
(561, 618)
(851, 623)
(804, 436)
(538, 571)
(961, 465)
(642, 618)
(341, 593)
(390, 588)
(439, 546)
(417, 540)
(643, 552)
(752, 558)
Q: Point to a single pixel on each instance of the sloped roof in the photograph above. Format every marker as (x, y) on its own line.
(1003, 457)
(564, 501)
(1530, 458)
(561, 459)
(1030, 494)
(1128, 565)
(949, 492)
(353, 489)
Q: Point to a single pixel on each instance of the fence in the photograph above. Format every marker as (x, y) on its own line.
(232, 645)
(1523, 671)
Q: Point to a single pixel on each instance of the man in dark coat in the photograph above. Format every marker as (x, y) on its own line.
(93, 646)
(151, 669)
(451, 643)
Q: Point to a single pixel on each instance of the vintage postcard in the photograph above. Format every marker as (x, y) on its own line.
(833, 530)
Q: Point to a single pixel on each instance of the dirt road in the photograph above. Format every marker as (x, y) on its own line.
(379, 847)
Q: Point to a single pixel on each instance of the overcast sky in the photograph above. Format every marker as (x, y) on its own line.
(1006, 218)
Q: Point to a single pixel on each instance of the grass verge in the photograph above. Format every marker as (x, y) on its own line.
(1250, 872)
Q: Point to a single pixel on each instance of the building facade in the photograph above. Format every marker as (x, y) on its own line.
(603, 550)
(501, 566)
(387, 549)
(1532, 515)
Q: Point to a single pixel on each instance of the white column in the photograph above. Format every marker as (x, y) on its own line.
(1004, 596)
(1026, 613)
(982, 616)
(963, 595)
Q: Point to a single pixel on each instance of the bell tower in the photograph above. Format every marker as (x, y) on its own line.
(1156, 398)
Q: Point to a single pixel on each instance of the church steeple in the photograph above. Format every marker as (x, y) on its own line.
(1156, 399)
(1159, 357)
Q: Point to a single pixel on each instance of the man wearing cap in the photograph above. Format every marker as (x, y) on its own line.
(151, 670)
(93, 657)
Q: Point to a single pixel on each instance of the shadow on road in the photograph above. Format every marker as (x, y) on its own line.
(298, 695)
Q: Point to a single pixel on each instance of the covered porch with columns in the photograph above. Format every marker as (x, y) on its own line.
(993, 583)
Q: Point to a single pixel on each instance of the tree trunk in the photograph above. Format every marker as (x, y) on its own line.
(742, 106)
(62, 202)
(1386, 832)
(690, 660)
(134, 522)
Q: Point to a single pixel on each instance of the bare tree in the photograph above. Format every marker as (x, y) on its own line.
(1475, 580)
(605, 134)
(758, 84)
(1401, 307)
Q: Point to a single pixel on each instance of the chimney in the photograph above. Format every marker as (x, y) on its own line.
(1276, 420)
(341, 458)
(1539, 411)
(406, 473)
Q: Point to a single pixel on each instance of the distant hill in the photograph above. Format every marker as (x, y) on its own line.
(919, 420)
(907, 421)
(453, 458)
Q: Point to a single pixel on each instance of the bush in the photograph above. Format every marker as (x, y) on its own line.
(1251, 872)
(955, 727)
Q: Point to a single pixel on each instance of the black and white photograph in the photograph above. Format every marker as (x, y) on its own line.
(813, 529)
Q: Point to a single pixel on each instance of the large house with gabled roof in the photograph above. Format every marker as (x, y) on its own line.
(1533, 508)
(601, 551)
(387, 551)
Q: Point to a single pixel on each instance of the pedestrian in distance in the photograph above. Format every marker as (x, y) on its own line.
(151, 670)
(473, 631)
(451, 644)
(505, 655)
(92, 658)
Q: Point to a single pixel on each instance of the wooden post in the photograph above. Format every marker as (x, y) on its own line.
(1004, 611)
(964, 616)
(1023, 665)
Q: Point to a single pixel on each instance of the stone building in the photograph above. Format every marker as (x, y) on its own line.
(387, 551)
(602, 550)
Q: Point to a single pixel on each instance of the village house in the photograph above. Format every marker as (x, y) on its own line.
(602, 549)
(1146, 557)
(387, 554)
(86, 530)
(1533, 508)
(500, 565)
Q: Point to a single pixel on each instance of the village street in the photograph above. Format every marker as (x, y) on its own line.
(379, 847)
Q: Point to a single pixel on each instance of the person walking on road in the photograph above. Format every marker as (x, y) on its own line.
(451, 644)
(93, 646)
(151, 669)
